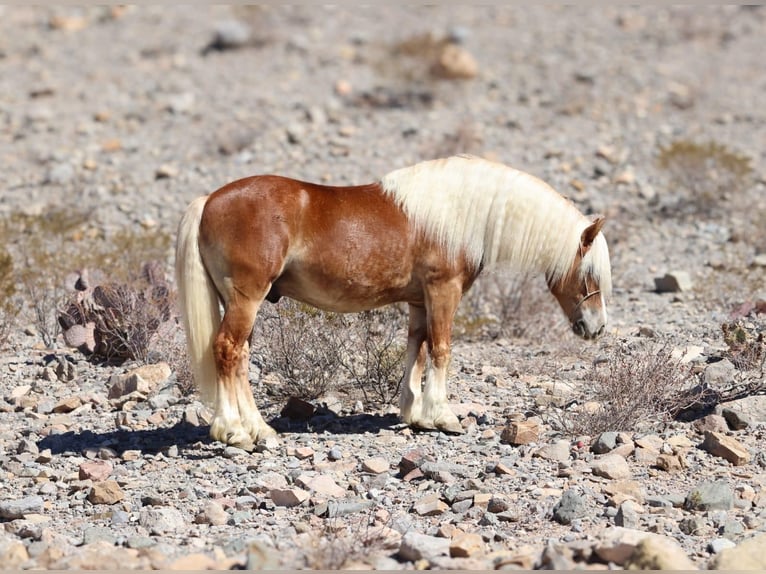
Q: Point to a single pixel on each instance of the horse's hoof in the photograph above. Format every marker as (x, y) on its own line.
(422, 426)
(450, 427)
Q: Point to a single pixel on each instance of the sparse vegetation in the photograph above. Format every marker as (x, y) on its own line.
(703, 175)
(123, 315)
(506, 304)
(633, 387)
(314, 352)
(43, 250)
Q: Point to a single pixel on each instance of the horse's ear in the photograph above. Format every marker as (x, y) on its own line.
(590, 232)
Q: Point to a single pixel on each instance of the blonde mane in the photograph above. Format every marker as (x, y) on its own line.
(497, 215)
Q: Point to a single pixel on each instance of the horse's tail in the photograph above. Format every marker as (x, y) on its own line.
(199, 301)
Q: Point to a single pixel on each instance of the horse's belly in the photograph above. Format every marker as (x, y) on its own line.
(344, 292)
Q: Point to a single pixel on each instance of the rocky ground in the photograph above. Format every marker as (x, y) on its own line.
(129, 113)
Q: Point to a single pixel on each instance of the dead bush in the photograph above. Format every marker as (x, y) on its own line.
(115, 321)
(347, 542)
(314, 352)
(636, 385)
(507, 304)
(374, 359)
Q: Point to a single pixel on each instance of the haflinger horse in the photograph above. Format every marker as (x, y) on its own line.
(420, 235)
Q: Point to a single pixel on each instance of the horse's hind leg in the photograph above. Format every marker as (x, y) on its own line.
(237, 420)
(410, 401)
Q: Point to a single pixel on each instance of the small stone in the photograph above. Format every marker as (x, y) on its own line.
(465, 545)
(557, 451)
(413, 459)
(106, 492)
(430, 505)
(570, 507)
(13, 554)
(322, 485)
(67, 405)
(212, 513)
(659, 553)
(95, 470)
(719, 374)
(27, 446)
(335, 454)
(714, 423)
(13, 509)
(303, 452)
(61, 174)
(230, 35)
(719, 544)
(376, 465)
(455, 62)
(288, 496)
(673, 282)
(162, 519)
(749, 554)
(727, 447)
(167, 171)
(627, 515)
(611, 466)
(417, 546)
(604, 442)
(124, 385)
(520, 432)
(671, 462)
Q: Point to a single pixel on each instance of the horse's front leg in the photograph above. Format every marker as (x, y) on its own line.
(441, 304)
(410, 401)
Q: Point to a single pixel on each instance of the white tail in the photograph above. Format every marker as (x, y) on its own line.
(199, 301)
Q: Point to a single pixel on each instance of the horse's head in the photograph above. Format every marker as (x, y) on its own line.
(582, 290)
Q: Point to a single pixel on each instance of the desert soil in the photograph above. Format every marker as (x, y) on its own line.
(132, 112)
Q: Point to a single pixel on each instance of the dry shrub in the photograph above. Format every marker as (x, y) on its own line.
(745, 338)
(123, 315)
(314, 352)
(637, 385)
(348, 542)
(509, 305)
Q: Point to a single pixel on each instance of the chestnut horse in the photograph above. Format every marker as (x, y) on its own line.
(421, 234)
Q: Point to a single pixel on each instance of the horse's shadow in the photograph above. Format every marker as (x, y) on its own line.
(186, 437)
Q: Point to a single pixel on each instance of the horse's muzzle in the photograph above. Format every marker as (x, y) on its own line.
(582, 329)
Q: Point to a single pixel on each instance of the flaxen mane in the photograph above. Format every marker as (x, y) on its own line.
(497, 214)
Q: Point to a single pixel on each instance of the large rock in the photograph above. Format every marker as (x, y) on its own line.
(710, 495)
(13, 509)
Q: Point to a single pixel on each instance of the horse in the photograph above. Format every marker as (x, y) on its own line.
(421, 235)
